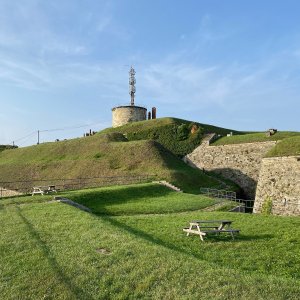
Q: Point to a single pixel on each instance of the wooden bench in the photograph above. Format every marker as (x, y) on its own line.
(41, 190)
(222, 226)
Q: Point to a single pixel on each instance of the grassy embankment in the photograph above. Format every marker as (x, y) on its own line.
(50, 250)
(287, 147)
(141, 199)
(108, 153)
(174, 134)
(254, 137)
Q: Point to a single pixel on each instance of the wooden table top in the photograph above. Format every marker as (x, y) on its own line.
(211, 221)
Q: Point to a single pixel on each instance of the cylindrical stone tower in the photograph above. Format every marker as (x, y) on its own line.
(122, 115)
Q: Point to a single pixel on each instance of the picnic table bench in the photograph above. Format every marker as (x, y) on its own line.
(41, 190)
(204, 227)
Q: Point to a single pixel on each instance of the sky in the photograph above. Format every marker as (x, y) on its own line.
(64, 64)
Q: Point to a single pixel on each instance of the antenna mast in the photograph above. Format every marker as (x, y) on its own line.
(132, 82)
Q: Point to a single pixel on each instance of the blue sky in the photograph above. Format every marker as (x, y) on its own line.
(229, 63)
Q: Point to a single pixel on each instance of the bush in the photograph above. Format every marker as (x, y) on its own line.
(6, 147)
(182, 132)
(267, 206)
(179, 136)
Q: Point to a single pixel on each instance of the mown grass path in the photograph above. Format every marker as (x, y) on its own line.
(49, 250)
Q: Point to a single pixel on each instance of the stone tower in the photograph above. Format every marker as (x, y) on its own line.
(124, 114)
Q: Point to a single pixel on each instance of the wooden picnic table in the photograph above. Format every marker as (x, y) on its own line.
(204, 227)
(44, 190)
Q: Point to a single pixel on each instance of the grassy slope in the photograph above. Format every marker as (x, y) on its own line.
(143, 198)
(254, 137)
(52, 251)
(99, 155)
(287, 147)
(139, 199)
(174, 134)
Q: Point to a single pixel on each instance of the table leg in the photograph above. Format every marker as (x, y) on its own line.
(188, 233)
(201, 237)
(221, 227)
(232, 235)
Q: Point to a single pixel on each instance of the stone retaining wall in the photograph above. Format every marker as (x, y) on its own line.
(8, 193)
(239, 162)
(279, 183)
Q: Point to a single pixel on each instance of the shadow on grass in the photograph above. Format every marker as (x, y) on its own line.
(255, 237)
(172, 246)
(145, 236)
(51, 259)
(117, 196)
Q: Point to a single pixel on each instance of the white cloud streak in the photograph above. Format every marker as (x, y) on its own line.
(36, 55)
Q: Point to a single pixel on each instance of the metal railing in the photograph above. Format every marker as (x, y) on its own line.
(216, 193)
(244, 205)
(9, 189)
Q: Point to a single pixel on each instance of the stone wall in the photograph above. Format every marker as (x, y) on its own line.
(279, 182)
(8, 193)
(239, 162)
(122, 115)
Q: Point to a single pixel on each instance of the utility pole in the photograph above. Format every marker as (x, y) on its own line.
(132, 83)
(38, 137)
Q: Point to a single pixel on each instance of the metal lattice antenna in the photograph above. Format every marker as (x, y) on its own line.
(132, 82)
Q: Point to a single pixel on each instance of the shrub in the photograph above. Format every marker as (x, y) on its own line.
(267, 206)
(182, 132)
(179, 136)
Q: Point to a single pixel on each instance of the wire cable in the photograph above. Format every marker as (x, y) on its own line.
(26, 137)
(69, 127)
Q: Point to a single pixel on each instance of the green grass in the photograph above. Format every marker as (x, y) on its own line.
(254, 137)
(288, 142)
(287, 147)
(148, 199)
(100, 155)
(174, 134)
(53, 251)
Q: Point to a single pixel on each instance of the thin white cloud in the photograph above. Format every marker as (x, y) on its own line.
(41, 52)
(223, 85)
(103, 24)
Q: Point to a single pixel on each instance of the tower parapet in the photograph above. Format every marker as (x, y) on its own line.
(126, 114)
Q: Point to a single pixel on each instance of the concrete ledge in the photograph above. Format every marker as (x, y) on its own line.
(72, 203)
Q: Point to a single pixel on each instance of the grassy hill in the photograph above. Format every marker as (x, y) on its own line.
(51, 250)
(100, 155)
(254, 137)
(179, 136)
(286, 147)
